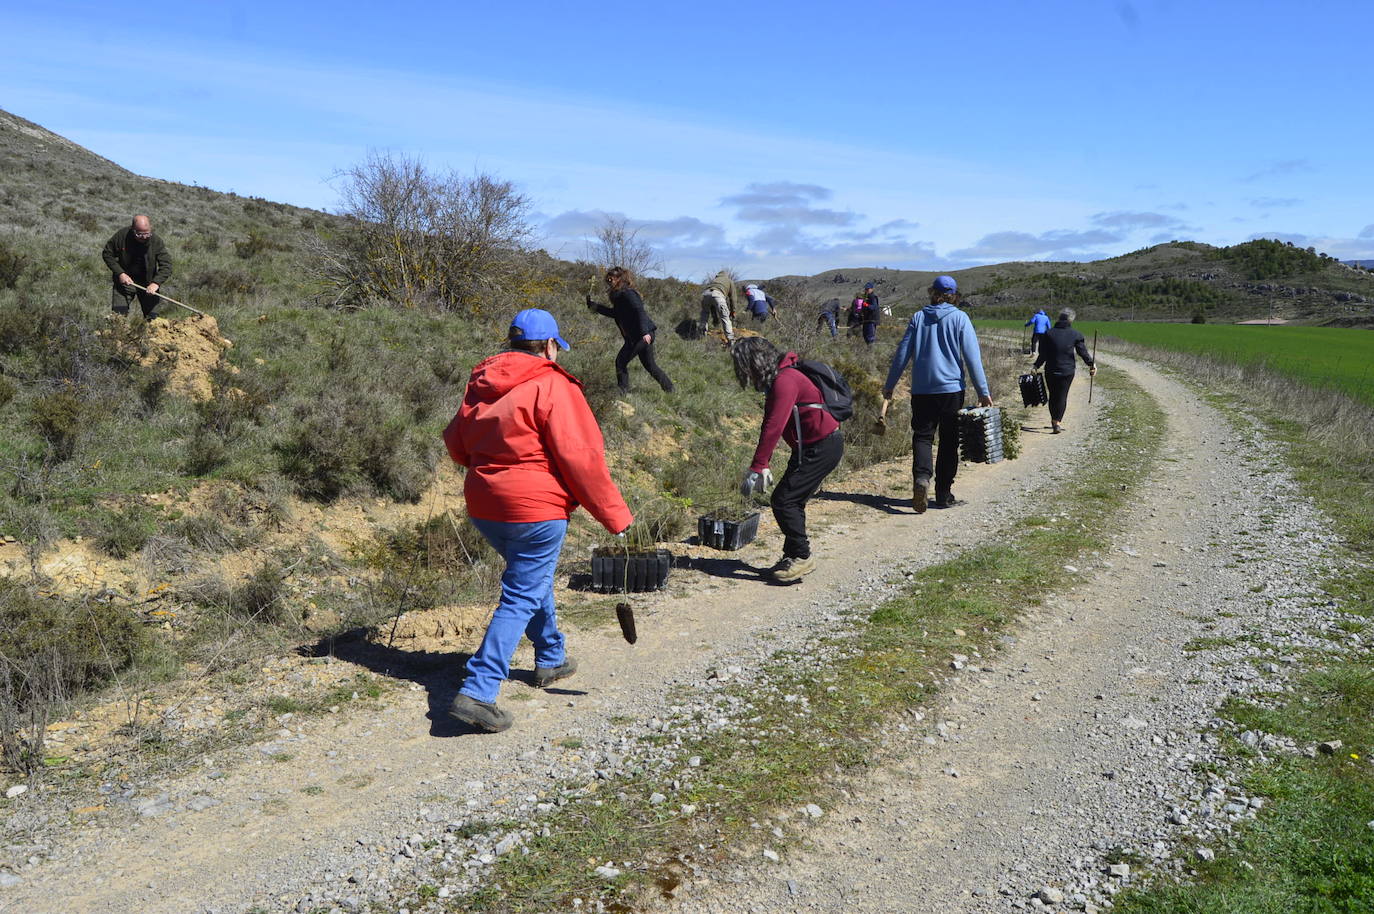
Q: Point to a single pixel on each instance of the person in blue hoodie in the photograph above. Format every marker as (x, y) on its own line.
(941, 346)
(1040, 325)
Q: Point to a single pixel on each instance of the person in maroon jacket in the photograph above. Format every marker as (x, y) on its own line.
(795, 411)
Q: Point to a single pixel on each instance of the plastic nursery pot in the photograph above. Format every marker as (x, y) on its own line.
(718, 532)
(617, 571)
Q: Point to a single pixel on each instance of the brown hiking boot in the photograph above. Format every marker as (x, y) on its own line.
(920, 494)
(484, 715)
(545, 676)
(793, 569)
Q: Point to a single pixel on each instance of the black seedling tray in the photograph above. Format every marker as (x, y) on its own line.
(727, 534)
(1033, 391)
(636, 572)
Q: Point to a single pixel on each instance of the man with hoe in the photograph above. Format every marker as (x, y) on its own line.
(940, 345)
(136, 255)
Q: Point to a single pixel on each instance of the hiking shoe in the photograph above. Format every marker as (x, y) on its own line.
(946, 499)
(793, 569)
(920, 495)
(484, 715)
(545, 676)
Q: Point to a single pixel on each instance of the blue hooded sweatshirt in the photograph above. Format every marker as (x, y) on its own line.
(1039, 322)
(939, 343)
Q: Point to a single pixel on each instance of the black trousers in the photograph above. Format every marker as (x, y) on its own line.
(121, 300)
(1036, 340)
(645, 351)
(806, 470)
(932, 413)
(1057, 386)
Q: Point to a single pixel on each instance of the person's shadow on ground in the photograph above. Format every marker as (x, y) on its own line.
(888, 504)
(439, 672)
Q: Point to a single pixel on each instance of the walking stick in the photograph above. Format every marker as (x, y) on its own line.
(169, 298)
(1090, 376)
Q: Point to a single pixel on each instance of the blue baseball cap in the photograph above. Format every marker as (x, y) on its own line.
(536, 324)
(945, 284)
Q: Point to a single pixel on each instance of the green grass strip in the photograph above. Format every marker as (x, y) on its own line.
(1311, 850)
(813, 719)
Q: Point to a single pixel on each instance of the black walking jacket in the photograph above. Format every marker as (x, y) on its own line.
(628, 310)
(1057, 349)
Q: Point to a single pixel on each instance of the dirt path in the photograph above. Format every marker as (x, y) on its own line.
(332, 799)
(1078, 739)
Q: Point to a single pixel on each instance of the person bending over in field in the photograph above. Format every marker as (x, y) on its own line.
(795, 411)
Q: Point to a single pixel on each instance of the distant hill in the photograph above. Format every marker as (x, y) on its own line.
(1174, 281)
(1362, 264)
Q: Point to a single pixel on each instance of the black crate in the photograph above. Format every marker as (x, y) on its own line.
(1033, 391)
(635, 572)
(980, 435)
(727, 534)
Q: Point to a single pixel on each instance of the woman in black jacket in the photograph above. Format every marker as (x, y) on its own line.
(635, 326)
(1057, 349)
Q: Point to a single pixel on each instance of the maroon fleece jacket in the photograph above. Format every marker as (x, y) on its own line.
(792, 389)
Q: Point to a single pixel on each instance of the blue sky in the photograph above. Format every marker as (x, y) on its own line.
(771, 137)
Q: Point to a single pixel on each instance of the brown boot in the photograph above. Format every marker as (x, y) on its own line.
(920, 493)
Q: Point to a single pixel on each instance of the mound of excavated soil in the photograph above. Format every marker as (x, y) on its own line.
(188, 350)
(444, 628)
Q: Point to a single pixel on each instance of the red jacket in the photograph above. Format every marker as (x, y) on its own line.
(526, 464)
(791, 389)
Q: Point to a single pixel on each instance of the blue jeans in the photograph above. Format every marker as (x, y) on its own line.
(827, 317)
(526, 607)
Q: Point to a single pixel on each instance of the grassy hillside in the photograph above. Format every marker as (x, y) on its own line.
(306, 494)
(1176, 281)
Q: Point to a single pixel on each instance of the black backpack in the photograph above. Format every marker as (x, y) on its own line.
(837, 398)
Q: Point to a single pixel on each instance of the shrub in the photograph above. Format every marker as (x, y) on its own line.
(347, 441)
(7, 390)
(59, 418)
(205, 453)
(221, 283)
(51, 651)
(12, 265)
(123, 531)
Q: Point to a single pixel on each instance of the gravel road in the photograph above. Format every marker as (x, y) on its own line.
(1056, 767)
(1074, 740)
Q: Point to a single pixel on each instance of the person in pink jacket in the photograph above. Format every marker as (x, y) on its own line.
(534, 453)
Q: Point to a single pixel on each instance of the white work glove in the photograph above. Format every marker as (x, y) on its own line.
(756, 482)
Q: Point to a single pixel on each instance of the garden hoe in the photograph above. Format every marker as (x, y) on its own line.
(170, 299)
(1090, 377)
(880, 426)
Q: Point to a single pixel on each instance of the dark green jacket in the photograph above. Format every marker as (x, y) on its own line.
(121, 255)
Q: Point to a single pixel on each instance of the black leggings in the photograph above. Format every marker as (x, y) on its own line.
(806, 470)
(1057, 385)
(645, 351)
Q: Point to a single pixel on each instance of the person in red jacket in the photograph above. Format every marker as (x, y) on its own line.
(534, 453)
(794, 410)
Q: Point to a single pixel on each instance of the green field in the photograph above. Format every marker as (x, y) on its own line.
(1330, 357)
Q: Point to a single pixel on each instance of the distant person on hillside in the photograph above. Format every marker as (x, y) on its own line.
(793, 410)
(941, 346)
(534, 453)
(760, 302)
(1057, 351)
(1040, 324)
(829, 315)
(720, 301)
(872, 314)
(136, 255)
(636, 328)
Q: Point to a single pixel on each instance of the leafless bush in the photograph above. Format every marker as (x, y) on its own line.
(619, 245)
(418, 238)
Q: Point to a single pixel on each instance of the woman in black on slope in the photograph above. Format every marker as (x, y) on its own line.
(635, 325)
